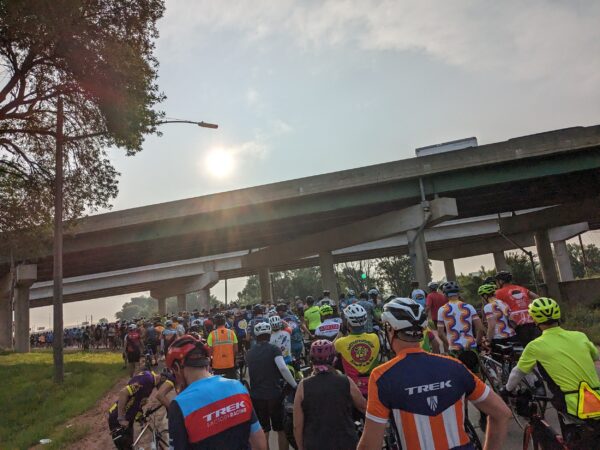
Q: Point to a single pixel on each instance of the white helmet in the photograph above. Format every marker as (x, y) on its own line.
(133, 326)
(356, 315)
(262, 328)
(276, 323)
(406, 316)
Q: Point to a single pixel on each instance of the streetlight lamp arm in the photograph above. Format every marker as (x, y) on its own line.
(200, 124)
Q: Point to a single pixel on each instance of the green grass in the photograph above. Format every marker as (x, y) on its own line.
(585, 319)
(32, 406)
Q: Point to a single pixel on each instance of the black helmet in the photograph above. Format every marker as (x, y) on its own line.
(220, 319)
(504, 276)
(489, 280)
(450, 287)
(433, 286)
(258, 309)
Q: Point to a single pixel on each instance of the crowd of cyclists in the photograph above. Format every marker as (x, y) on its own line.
(362, 372)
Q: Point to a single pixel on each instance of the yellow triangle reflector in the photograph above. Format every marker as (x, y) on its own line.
(588, 403)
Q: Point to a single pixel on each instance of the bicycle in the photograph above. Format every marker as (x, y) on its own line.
(149, 359)
(158, 441)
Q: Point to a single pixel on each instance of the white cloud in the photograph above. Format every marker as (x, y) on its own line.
(525, 40)
(252, 97)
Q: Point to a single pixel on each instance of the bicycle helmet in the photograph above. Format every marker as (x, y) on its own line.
(168, 323)
(187, 351)
(166, 375)
(133, 326)
(220, 319)
(281, 307)
(262, 328)
(543, 309)
(326, 310)
(356, 315)
(258, 309)
(405, 316)
(322, 352)
(276, 323)
(486, 289)
(326, 293)
(504, 276)
(489, 280)
(433, 286)
(351, 293)
(373, 293)
(450, 288)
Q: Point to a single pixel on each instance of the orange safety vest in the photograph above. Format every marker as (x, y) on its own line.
(222, 344)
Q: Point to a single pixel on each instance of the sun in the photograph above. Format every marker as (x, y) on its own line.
(219, 163)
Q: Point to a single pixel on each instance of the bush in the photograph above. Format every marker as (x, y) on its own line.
(584, 319)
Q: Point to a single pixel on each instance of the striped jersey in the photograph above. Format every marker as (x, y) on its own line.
(424, 396)
(212, 413)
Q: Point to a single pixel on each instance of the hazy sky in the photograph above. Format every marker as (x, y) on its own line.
(308, 87)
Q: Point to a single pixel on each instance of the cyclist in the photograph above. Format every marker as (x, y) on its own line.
(266, 367)
(258, 316)
(330, 327)
(210, 412)
(499, 331)
(418, 295)
(369, 308)
(281, 337)
(297, 340)
(434, 301)
(326, 300)
(323, 405)
(312, 315)
(122, 413)
(565, 360)
(423, 394)
(518, 299)
(459, 327)
(359, 351)
(169, 334)
(133, 348)
(223, 344)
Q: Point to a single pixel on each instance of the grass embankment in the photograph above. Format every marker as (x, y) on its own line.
(33, 406)
(585, 319)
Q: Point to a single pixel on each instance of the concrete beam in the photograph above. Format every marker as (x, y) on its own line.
(418, 257)
(562, 259)
(328, 277)
(450, 270)
(500, 262)
(204, 297)
(371, 229)
(26, 276)
(187, 285)
(544, 251)
(181, 303)
(6, 319)
(162, 305)
(264, 279)
(565, 214)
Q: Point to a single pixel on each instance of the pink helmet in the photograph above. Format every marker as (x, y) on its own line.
(322, 352)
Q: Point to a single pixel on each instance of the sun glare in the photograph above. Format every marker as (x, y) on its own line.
(219, 163)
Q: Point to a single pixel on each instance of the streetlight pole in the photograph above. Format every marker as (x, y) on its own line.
(57, 301)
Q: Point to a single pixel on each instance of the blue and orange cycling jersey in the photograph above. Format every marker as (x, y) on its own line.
(424, 396)
(213, 412)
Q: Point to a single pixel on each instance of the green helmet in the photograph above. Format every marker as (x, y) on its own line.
(543, 309)
(486, 289)
(326, 310)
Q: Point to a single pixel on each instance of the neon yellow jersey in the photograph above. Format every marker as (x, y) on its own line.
(313, 317)
(568, 358)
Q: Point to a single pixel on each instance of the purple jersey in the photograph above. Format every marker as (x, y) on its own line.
(140, 387)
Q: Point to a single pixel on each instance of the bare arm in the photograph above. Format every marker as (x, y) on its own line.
(359, 401)
(442, 335)
(491, 327)
(299, 417)
(479, 331)
(161, 395)
(372, 437)
(258, 441)
(498, 417)
(123, 399)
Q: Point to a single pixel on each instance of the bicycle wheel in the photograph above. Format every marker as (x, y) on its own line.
(472, 433)
(491, 371)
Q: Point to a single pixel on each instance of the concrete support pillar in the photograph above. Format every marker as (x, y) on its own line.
(26, 276)
(162, 306)
(450, 270)
(564, 263)
(5, 313)
(181, 302)
(418, 257)
(328, 278)
(544, 251)
(500, 262)
(264, 278)
(204, 296)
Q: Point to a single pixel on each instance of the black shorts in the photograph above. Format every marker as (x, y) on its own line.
(133, 357)
(269, 413)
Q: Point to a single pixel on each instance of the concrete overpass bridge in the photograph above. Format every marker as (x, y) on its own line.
(319, 215)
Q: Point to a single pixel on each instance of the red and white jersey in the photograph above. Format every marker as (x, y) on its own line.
(517, 299)
(329, 329)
